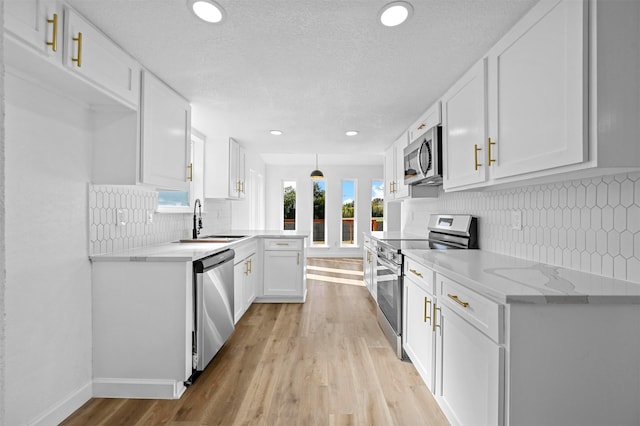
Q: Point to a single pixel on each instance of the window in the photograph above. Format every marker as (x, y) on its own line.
(181, 201)
(348, 228)
(289, 205)
(377, 205)
(319, 225)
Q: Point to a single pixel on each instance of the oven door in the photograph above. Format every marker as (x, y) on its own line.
(389, 285)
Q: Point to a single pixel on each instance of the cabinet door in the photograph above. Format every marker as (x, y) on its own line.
(251, 279)
(401, 190)
(389, 173)
(464, 116)
(165, 138)
(91, 54)
(283, 273)
(242, 171)
(234, 180)
(419, 339)
(37, 22)
(240, 271)
(538, 107)
(366, 262)
(431, 117)
(470, 372)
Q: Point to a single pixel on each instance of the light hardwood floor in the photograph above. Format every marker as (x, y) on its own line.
(324, 362)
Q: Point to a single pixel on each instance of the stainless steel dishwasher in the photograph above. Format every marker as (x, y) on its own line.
(213, 306)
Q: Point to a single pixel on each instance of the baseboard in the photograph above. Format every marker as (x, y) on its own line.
(137, 388)
(63, 409)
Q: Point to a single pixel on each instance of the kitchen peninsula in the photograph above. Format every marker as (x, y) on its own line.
(143, 306)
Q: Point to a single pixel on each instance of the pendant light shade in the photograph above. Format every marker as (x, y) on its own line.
(317, 174)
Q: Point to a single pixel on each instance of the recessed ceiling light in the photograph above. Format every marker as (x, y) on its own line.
(276, 132)
(395, 13)
(207, 10)
(351, 132)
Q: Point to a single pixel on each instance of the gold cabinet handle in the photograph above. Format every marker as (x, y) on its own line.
(282, 244)
(421, 126)
(458, 301)
(78, 59)
(434, 321)
(242, 186)
(246, 267)
(54, 39)
(491, 160)
(298, 259)
(190, 167)
(250, 265)
(426, 303)
(477, 148)
(416, 273)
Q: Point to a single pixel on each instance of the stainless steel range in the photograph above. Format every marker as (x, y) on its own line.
(446, 232)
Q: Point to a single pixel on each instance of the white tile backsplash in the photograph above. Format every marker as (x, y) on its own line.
(108, 236)
(592, 225)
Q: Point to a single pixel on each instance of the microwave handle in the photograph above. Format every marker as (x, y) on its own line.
(423, 169)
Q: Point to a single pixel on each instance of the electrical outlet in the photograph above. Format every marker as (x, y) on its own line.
(149, 217)
(516, 220)
(120, 218)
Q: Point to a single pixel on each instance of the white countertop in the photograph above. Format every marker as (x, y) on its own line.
(187, 252)
(507, 279)
(396, 235)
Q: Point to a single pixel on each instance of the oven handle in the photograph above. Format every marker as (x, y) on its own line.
(389, 265)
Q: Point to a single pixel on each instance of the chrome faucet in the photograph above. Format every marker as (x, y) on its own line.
(197, 226)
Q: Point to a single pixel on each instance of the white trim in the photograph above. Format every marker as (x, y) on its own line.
(65, 407)
(137, 388)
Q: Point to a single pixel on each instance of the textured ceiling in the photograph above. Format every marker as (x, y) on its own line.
(312, 68)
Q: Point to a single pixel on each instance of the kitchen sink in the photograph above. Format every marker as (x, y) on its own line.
(215, 239)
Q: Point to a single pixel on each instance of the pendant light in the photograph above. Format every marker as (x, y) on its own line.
(317, 174)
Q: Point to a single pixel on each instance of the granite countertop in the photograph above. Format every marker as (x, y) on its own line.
(507, 279)
(187, 252)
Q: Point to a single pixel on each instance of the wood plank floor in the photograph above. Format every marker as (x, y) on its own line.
(324, 362)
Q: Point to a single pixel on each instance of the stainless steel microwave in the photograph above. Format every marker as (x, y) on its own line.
(423, 159)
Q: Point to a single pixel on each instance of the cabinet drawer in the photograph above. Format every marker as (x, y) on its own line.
(419, 274)
(243, 251)
(484, 314)
(282, 244)
(430, 118)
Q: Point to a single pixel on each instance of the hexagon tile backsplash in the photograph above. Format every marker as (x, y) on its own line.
(107, 236)
(592, 225)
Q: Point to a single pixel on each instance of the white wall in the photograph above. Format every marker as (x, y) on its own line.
(48, 273)
(333, 209)
(2, 229)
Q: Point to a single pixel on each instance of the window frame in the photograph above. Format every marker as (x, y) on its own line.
(355, 213)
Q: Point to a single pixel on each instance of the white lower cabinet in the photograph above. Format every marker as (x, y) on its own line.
(284, 270)
(490, 363)
(369, 266)
(469, 371)
(142, 328)
(419, 340)
(245, 273)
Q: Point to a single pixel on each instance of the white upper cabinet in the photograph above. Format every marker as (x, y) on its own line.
(464, 129)
(165, 136)
(561, 95)
(95, 57)
(38, 23)
(225, 169)
(538, 91)
(394, 169)
(431, 117)
(58, 34)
